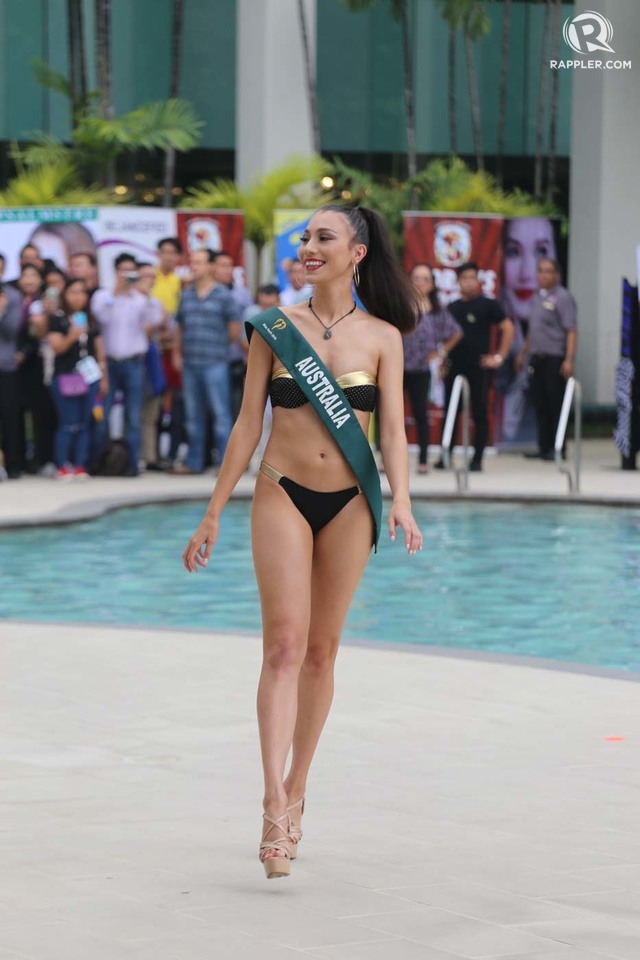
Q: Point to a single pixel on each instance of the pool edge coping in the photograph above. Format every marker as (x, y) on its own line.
(362, 643)
(94, 509)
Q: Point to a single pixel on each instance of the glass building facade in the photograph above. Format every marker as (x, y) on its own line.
(359, 78)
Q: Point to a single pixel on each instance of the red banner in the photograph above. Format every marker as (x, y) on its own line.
(212, 230)
(444, 242)
(506, 253)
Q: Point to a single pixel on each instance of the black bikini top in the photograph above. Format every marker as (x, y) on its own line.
(359, 388)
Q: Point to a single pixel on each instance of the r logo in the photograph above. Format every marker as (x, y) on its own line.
(587, 32)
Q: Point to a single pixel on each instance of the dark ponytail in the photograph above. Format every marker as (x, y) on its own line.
(384, 288)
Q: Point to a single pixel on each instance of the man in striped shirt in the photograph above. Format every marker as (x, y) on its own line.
(207, 322)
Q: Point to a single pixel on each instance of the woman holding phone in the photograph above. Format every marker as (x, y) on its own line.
(79, 374)
(326, 365)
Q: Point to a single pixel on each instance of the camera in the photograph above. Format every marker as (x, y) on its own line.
(132, 277)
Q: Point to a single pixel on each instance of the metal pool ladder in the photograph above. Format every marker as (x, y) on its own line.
(460, 388)
(572, 395)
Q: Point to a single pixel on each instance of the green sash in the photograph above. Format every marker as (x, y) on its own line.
(327, 399)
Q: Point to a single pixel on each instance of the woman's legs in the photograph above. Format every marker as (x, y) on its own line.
(282, 554)
(81, 446)
(67, 422)
(417, 385)
(341, 552)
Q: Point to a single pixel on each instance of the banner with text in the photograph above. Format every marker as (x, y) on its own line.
(105, 232)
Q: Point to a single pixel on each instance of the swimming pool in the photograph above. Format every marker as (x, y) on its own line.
(553, 581)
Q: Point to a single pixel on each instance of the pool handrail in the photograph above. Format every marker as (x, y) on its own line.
(572, 396)
(460, 388)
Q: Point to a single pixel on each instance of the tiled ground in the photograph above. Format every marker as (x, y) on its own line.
(458, 809)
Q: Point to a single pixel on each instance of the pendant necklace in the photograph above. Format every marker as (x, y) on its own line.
(327, 330)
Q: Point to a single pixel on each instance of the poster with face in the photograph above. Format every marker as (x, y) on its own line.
(507, 254)
(525, 241)
(57, 234)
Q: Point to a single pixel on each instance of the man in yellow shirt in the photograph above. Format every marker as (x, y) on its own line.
(168, 285)
(167, 288)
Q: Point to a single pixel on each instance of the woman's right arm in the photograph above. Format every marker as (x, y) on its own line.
(243, 441)
(61, 342)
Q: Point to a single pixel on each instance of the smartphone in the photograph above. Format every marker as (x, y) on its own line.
(53, 294)
(80, 319)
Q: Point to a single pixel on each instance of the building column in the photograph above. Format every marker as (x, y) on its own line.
(604, 212)
(273, 119)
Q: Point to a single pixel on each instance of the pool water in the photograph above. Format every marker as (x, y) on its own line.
(553, 581)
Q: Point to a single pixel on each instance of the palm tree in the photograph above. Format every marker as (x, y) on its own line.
(453, 97)
(309, 76)
(75, 43)
(470, 17)
(542, 97)
(291, 185)
(174, 91)
(553, 108)
(502, 96)
(476, 119)
(400, 13)
(103, 65)
(96, 141)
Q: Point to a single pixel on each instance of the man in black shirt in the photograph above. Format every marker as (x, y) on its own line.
(476, 315)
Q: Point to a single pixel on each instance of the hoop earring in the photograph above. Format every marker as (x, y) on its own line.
(356, 275)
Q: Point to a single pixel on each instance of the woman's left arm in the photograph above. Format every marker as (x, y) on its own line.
(101, 358)
(393, 439)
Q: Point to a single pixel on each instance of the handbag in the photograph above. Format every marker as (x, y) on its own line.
(72, 385)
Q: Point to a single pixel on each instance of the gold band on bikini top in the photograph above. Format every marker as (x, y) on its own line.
(359, 378)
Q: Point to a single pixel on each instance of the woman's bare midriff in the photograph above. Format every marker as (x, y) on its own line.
(300, 447)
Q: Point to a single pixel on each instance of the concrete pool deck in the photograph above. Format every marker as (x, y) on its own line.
(459, 807)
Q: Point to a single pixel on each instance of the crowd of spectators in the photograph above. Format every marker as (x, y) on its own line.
(148, 373)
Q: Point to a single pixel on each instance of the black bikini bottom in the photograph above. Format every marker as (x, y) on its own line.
(316, 507)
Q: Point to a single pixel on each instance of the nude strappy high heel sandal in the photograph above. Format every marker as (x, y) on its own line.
(276, 866)
(295, 830)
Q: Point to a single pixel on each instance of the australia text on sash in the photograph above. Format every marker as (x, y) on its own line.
(321, 386)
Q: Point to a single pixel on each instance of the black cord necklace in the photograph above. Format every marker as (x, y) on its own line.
(327, 330)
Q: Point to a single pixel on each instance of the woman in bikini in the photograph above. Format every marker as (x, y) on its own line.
(315, 515)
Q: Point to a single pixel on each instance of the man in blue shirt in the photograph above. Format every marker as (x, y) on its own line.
(207, 322)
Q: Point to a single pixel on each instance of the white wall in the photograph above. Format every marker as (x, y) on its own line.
(272, 112)
(605, 194)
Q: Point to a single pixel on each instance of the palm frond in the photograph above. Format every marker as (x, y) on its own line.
(219, 194)
(292, 184)
(449, 185)
(51, 186)
(356, 6)
(51, 79)
(470, 16)
(44, 150)
(160, 125)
